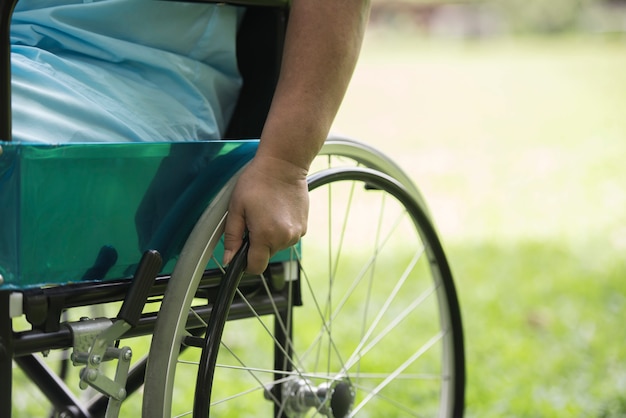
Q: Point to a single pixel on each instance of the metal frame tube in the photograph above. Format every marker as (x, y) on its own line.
(52, 386)
(6, 11)
(6, 356)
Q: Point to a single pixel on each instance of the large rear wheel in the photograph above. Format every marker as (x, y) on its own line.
(364, 319)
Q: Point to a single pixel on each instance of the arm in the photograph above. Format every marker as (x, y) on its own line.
(271, 197)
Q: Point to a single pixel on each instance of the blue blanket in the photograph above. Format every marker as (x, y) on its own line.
(122, 70)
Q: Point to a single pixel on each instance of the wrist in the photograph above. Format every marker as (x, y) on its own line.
(278, 168)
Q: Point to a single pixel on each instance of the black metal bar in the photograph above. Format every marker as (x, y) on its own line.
(86, 294)
(147, 271)
(43, 307)
(6, 355)
(208, 358)
(283, 331)
(6, 11)
(259, 54)
(29, 342)
(52, 386)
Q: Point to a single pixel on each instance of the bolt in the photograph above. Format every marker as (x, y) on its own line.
(268, 393)
(128, 354)
(121, 394)
(96, 359)
(87, 374)
(92, 375)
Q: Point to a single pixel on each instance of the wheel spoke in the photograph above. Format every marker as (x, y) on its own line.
(392, 376)
(386, 305)
(397, 320)
(249, 370)
(408, 410)
(325, 330)
(368, 295)
(368, 266)
(269, 332)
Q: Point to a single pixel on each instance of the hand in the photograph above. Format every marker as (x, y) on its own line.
(271, 201)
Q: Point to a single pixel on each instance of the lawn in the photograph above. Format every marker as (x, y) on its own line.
(518, 147)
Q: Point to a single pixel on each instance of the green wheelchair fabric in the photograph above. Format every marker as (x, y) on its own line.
(87, 212)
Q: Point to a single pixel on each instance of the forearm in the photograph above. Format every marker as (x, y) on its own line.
(321, 49)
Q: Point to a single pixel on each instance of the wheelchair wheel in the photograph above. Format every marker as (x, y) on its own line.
(369, 325)
(341, 151)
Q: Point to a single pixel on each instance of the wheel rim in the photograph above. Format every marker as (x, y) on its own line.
(167, 383)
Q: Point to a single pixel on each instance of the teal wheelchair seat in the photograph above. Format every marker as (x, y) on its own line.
(86, 212)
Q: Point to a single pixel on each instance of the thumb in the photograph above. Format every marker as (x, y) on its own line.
(233, 235)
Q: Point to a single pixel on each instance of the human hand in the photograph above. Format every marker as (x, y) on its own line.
(271, 202)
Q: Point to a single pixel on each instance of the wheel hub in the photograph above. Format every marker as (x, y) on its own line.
(333, 399)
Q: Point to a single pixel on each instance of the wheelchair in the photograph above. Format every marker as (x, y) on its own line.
(361, 318)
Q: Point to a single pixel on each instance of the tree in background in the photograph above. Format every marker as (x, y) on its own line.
(480, 18)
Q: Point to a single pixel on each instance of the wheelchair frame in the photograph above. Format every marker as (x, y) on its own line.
(43, 307)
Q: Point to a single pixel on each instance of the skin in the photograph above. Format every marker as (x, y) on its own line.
(270, 199)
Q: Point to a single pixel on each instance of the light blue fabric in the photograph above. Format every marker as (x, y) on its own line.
(122, 70)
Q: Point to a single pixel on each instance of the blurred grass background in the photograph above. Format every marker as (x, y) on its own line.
(513, 125)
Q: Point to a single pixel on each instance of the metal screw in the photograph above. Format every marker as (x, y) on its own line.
(128, 355)
(96, 359)
(121, 394)
(92, 375)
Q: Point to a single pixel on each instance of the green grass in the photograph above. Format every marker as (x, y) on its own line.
(544, 330)
(518, 146)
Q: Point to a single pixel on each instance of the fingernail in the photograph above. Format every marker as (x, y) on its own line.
(228, 255)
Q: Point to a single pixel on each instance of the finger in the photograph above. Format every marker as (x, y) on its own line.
(233, 235)
(258, 257)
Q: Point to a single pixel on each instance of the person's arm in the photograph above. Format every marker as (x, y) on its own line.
(271, 197)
